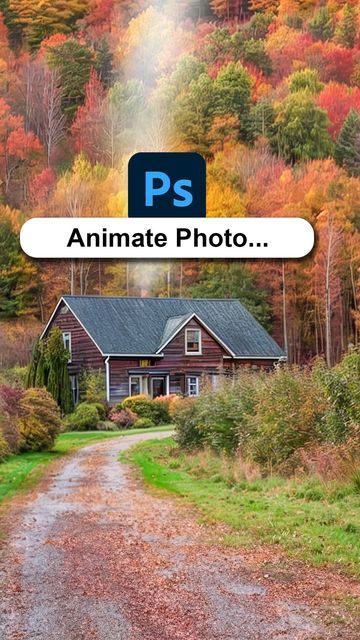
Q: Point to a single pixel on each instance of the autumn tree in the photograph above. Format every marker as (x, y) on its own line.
(300, 130)
(42, 18)
(229, 9)
(337, 100)
(347, 29)
(347, 149)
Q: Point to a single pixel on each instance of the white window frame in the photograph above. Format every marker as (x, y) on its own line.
(67, 336)
(75, 391)
(144, 388)
(189, 384)
(193, 353)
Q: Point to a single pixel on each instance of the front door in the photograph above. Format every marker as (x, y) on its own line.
(158, 387)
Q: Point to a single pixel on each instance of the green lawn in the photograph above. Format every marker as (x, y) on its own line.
(18, 472)
(311, 520)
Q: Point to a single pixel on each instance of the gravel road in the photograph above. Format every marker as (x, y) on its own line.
(92, 554)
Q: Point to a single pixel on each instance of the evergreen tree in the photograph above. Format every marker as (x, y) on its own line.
(347, 149)
(300, 130)
(49, 368)
(73, 62)
(18, 281)
(321, 26)
(305, 79)
(232, 279)
(104, 62)
(194, 113)
(347, 29)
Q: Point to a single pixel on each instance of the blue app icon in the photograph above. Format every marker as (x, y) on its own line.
(167, 185)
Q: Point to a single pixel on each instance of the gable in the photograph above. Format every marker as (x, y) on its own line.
(210, 346)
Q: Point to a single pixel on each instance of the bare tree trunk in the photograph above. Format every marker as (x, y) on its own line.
(328, 345)
(285, 334)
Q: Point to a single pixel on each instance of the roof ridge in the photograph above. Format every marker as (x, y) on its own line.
(68, 295)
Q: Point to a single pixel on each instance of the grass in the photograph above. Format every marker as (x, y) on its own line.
(19, 472)
(311, 520)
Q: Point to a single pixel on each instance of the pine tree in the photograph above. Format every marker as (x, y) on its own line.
(321, 26)
(347, 29)
(347, 149)
(48, 368)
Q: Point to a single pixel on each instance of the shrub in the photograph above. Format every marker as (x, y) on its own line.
(123, 418)
(288, 410)
(14, 377)
(185, 417)
(10, 410)
(341, 385)
(84, 418)
(144, 407)
(39, 422)
(4, 447)
(224, 413)
(101, 409)
(144, 423)
(163, 404)
(92, 386)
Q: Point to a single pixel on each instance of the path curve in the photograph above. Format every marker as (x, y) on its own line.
(91, 554)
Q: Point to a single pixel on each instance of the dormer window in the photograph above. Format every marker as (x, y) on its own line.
(67, 342)
(193, 342)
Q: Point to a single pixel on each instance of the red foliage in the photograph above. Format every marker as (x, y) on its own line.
(337, 99)
(42, 185)
(332, 61)
(23, 144)
(86, 128)
(10, 400)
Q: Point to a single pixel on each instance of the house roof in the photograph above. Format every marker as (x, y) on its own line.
(141, 326)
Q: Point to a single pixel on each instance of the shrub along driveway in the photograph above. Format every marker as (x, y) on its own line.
(91, 554)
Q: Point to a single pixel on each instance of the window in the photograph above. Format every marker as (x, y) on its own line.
(74, 382)
(193, 342)
(193, 386)
(135, 385)
(138, 385)
(145, 363)
(67, 342)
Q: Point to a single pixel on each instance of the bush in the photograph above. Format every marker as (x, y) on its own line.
(92, 387)
(4, 447)
(144, 407)
(84, 418)
(10, 411)
(101, 409)
(162, 406)
(288, 411)
(14, 377)
(185, 416)
(39, 422)
(144, 423)
(123, 418)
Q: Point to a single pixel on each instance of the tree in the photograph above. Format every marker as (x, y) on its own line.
(49, 368)
(253, 52)
(347, 29)
(231, 279)
(40, 19)
(305, 80)
(300, 130)
(87, 127)
(233, 90)
(347, 149)
(337, 100)
(194, 112)
(229, 9)
(265, 6)
(72, 62)
(321, 24)
(18, 276)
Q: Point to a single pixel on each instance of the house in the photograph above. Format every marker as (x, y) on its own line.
(157, 346)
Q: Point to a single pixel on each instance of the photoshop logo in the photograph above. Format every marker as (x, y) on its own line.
(167, 185)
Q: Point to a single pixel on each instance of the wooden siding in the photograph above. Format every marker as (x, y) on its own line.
(84, 353)
(211, 358)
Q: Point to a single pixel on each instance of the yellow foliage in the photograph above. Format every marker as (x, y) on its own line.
(223, 201)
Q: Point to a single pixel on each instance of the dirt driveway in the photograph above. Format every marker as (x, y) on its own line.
(91, 554)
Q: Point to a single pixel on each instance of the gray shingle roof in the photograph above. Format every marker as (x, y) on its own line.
(139, 325)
